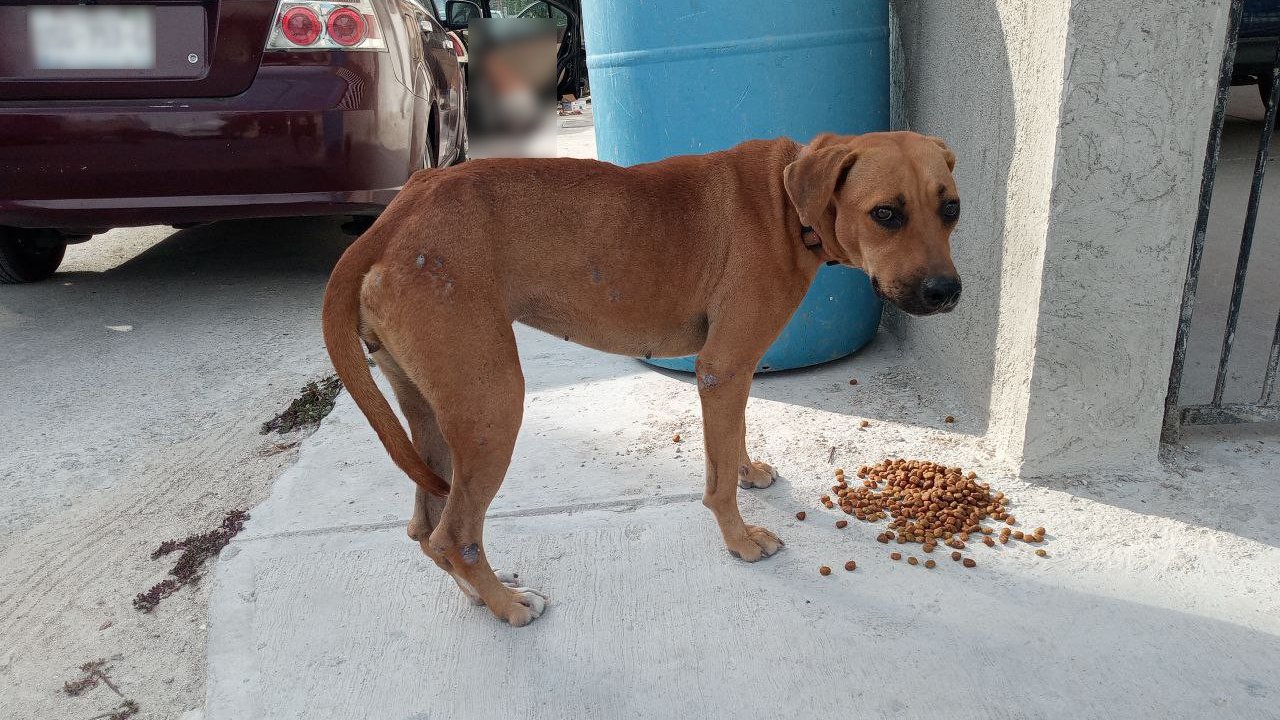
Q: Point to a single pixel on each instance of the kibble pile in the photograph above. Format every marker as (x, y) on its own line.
(927, 503)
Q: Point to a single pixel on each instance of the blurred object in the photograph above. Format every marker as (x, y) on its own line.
(512, 92)
(571, 56)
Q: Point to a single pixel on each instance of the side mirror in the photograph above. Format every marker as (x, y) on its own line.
(459, 13)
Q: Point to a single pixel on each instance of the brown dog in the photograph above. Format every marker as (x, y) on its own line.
(705, 254)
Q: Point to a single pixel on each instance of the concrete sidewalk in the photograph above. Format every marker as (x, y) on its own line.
(323, 608)
(1160, 596)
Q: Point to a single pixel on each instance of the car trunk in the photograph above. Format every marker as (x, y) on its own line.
(118, 49)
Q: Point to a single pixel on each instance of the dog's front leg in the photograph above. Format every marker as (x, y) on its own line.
(724, 382)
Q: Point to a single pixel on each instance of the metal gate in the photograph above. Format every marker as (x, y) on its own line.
(1267, 407)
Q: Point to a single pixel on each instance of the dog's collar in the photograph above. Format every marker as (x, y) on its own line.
(813, 242)
(810, 239)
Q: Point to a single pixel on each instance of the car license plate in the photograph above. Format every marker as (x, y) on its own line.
(110, 37)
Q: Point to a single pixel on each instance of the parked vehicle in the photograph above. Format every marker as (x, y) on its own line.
(1256, 46)
(174, 112)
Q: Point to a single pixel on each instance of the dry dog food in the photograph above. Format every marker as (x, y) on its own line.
(851, 566)
(842, 524)
(824, 570)
(675, 438)
(927, 503)
(800, 515)
(930, 564)
(1041, 552)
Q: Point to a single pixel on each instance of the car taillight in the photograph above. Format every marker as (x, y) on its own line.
(458, 48)
(309, 25)
(345, 26)
(301, 25)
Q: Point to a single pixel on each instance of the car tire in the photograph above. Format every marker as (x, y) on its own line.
(29, 255)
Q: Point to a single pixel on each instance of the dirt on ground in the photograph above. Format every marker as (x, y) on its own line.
(139, 380)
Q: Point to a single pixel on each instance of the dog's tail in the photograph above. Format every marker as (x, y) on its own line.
(341, 322)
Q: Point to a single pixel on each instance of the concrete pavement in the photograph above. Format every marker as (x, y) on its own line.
(323, 608)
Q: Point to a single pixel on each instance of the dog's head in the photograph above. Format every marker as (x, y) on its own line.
(886, 203)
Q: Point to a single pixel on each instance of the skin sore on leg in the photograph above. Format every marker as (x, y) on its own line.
(470, 553)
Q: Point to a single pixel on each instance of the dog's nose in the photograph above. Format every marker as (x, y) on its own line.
(941, 292)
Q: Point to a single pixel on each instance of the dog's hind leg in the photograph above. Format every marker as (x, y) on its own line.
(431, 445)
(427, 438)
(474, 383)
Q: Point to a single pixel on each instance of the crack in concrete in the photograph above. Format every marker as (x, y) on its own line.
(612, 505)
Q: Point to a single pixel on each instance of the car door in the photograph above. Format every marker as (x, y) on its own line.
(570, 57)
(444, 75)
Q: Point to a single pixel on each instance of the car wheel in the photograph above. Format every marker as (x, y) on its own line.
(29, 255)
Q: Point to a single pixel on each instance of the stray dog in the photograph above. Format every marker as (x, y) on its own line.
(706, 254)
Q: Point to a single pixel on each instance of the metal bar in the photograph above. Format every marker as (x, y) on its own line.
(1172, 417)
(1228, 414)
(1246, 237)
(1273, 363)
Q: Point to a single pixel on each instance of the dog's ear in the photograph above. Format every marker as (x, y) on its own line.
(811, 181)
(947, 155)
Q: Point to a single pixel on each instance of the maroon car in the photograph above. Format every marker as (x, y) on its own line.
(147, 112)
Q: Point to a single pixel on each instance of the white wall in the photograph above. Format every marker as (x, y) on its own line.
(1080, 131)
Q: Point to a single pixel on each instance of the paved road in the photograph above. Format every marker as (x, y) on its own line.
(136, 383)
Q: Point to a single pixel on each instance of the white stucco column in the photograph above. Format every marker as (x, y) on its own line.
(1080, 129)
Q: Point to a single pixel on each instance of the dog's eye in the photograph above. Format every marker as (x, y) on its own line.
(951, 209)
(887, 216)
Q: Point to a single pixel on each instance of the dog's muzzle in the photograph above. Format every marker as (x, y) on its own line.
(940, 293)
(931, 296)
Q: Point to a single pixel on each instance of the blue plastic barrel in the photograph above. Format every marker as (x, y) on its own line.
(673, 77)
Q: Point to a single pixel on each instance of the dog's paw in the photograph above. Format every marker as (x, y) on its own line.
(756, 474)
(755, 543)
(525, 606)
